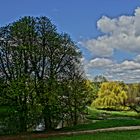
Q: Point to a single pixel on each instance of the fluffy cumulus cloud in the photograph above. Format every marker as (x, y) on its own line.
(126, 66)
(127, 71)
(123, 34)
(100, 63)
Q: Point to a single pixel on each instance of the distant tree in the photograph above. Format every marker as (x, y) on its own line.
(100, 79)
(92, 88)
(111, 95)
(133, 101)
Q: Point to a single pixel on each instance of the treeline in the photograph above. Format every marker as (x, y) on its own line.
(118, 96)
(41, 76)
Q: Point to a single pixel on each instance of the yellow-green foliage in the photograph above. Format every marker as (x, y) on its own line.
(111, 95)
(92, 89)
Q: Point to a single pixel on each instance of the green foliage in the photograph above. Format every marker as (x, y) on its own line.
(111, 95)
(92, 88)
(39, 68)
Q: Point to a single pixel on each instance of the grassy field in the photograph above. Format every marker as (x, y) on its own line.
(126, 135)
(103, 114)
(107, 119)
(104, 124)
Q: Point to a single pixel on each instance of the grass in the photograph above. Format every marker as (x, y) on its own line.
(109, 119)
(102, 114)
(93, 126)
(116, 119)
(104, 124)
(124, 135)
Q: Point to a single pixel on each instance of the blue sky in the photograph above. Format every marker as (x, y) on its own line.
(77, 17)
(93, 24)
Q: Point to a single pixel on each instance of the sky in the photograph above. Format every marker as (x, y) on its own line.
(106, 31)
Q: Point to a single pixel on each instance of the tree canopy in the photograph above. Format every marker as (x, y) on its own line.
(111, 95)
(41, 73)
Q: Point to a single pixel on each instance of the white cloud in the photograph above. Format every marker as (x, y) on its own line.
(122, 24)
(137, 58)
(126, 65)
(121, 33)
(100, 63)
(103, 23)
(127, 71)
(128, 76)
(99, 47)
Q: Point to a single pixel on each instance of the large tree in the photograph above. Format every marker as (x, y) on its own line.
(35, 62)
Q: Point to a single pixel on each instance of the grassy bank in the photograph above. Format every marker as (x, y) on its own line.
(104, 124)
(125, 135)
(103, 114)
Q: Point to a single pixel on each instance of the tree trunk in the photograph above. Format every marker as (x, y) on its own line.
(75, 113)
(47, 119)
(23, 123)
